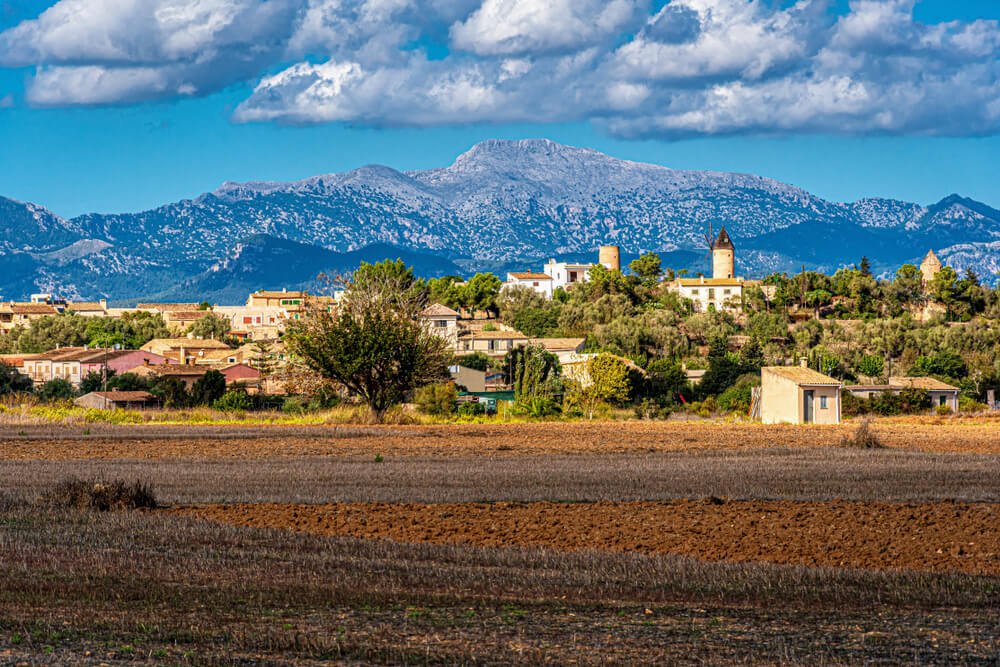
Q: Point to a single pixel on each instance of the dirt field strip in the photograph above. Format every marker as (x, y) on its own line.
(934, 537)
(172, 442)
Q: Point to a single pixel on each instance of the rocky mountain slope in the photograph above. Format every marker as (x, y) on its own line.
(499, 205)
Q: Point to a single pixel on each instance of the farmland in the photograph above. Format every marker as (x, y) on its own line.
(610, 542)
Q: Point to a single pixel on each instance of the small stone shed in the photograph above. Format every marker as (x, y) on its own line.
(798, 395)
(113, 400)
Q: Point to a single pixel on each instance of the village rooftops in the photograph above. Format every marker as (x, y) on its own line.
(86, 306)
(803, 376)
(713, 282)
(81, 354)
(168, 307)
(28, 308)
(925, 383)
(560, 344)
(528, 275)
(493, 335)
(438, 310)
(125, 396)
(279, 294)
(187, 343)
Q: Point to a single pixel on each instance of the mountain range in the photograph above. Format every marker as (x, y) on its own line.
(499, 206)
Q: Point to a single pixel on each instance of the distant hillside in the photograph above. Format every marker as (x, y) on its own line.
(502, 204)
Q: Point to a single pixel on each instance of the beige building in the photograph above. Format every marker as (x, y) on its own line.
(941, 393)
(723, 291)
(538, 282)
(469, 378)
(15, 314)
(442, 321)
(184, 350)
(798, 395)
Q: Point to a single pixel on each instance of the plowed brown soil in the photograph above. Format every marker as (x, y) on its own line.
(936, 537)
(980, 436)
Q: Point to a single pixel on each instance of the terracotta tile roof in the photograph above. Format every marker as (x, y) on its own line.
(928, 384)
(187, 343)
(713, 282)
(275, 294)
(165, 307)
(31, 309)
(527, 275)
(801, 375)
(84, 306)
(125, 396)
(193, 315)
(496, 335)
(437, 310)
(559, 343)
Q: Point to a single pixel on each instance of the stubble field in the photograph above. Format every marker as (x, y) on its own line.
(604, 543)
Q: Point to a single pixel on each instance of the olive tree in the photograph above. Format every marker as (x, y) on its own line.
(373, 344)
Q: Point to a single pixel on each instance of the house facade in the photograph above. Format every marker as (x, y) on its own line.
(941, 393)
(798, 395)
(75, 363)
(537, 282)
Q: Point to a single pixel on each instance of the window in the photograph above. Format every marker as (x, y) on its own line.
(942, 400)
(441, 324)
(694, 292)
(534, 284)
(822, 402)
(727, 292)
(247, 320)
(711, 292)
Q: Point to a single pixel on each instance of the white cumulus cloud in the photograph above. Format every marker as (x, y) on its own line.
(691, 67)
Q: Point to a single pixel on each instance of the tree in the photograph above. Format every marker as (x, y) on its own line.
(128, 382)
(211, 326)
(481, 292)
(373, 345)
(477, 361)
(12, 382)
(648, 267)
(722, 371)
(209, 388)
(666, 379)
(235, 400)
(609, 377)
(94, 381)
(172, 391)
(871, 366)
(56, 389)
(752, 357)
(535, 375)
(436, 399)
(945, 363)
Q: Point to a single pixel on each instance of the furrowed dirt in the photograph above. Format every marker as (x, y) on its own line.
(155, 442)
(932, 537)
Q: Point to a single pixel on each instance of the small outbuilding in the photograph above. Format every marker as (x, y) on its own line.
(113, 400)
(798, 395)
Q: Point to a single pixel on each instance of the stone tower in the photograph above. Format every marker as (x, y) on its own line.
(723, 257)
(930, 267)
(610, 256)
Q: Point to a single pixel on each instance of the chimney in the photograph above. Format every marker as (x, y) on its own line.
(803, 362)
(104, 303)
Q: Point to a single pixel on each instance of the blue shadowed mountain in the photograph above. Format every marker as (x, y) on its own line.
(500, 205)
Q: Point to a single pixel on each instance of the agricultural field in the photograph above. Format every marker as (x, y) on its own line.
(581, 543)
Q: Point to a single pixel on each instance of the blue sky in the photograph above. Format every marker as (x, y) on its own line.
(105, 113)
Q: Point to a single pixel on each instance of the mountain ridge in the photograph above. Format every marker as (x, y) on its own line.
(501, 203)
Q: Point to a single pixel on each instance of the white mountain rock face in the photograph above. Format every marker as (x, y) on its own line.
(500, 203)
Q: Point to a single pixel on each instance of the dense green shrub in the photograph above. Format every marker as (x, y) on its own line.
(56, 389)
(436, 399)
(234, 401)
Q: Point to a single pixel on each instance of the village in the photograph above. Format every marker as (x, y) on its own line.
(199, 349)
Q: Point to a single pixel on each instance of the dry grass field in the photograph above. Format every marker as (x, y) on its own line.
(570, 543)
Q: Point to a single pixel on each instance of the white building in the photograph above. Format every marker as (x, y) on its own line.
(564, 274)
(539, 282)
(723, 291)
